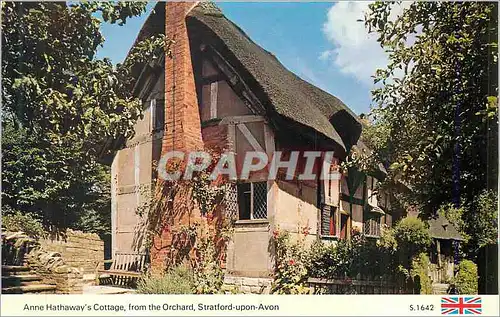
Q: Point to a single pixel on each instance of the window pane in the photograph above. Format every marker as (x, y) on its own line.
(343, 226)
(328, 220)
(260, 200)
(372, 226)
(244, 201)
(325, 220)
(231, 201)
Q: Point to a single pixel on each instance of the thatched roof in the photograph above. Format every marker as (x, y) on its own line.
(280, 90)
(294, 102)
(441, 228)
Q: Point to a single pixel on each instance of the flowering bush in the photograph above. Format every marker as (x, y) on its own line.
(196, 200)
(400, 250)
(290, 265)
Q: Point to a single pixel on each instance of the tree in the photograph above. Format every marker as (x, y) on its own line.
(61, 104)
(58, 184)
(52, 82)
(435, 99)
(477, 221)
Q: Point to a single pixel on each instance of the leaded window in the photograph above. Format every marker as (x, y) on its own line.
(252, 200)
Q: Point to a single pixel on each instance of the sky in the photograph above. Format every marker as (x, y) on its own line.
(323, 43)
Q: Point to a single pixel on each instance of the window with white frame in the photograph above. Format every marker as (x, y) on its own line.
(252, 200)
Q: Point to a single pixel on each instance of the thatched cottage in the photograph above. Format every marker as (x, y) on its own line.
(219, 87)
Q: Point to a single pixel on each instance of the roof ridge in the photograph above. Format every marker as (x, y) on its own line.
(209, 8)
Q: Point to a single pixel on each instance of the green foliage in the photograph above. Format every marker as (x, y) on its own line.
(398, 255)
(59, 185)
(420, 273)
(466, 279)
(290, 265)
(209, 275)
(411, 233)
(52, 82)
(456, 217)
(406, 240)
(435, 115)
(370, 259)
(178, 280)
(358, 257)
(330, 260)
(62, 105)
(322, 262)
(477, 221)
(484, 219)
(14, 221)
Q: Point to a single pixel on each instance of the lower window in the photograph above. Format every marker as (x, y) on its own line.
(252, 200)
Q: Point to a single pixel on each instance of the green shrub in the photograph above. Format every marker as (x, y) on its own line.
(406, 240)
(321, 262)
(178, 280)
(484, 219)
(420, 273)
(466, 279)
(348, 259)
(412, 234)
(390, 256)
(369, 259)
(13, 220)
(330, 260)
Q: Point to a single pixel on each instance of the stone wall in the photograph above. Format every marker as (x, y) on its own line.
(248, 285)
(66, 282)
(53, 270)
(84, 251)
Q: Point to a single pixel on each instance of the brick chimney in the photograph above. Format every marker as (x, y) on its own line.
(182, 118)
(183, 129)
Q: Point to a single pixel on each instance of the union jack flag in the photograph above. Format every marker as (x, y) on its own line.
(455, 305)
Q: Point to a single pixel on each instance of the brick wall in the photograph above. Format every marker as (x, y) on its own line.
(215, 137)
(80, 250)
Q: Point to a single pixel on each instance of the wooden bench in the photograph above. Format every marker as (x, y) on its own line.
(125, 268)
